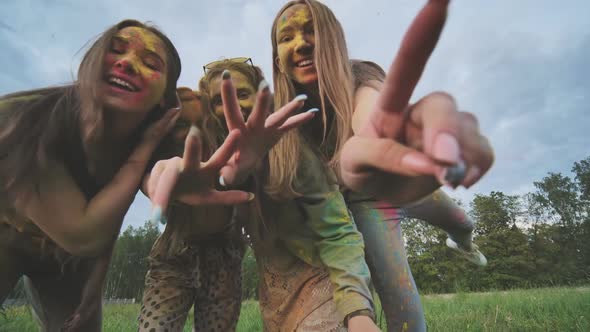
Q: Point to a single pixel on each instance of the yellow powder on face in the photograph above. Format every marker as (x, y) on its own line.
(297, 15)
(142, 40)
(149, 39)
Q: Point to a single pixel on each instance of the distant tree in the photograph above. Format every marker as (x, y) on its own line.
(129, 263)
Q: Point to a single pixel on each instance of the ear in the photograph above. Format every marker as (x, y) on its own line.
(278, 64)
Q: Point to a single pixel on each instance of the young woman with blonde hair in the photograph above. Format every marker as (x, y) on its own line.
(386, 152)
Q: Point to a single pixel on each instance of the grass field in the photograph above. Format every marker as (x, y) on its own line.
(547, 309)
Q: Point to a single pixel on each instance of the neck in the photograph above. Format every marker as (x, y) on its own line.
(120, 126)
(313, 94)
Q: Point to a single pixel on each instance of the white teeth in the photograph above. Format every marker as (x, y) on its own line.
(304, 63)
(119, 81)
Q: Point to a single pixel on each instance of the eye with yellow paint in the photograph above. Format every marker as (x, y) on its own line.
(152, 62)
(243, 94)
(216, 101)
(285, 38)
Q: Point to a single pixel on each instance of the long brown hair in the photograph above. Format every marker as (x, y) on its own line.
(38, 125)
(335, 86)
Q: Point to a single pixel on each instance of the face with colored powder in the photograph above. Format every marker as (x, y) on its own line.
(135, 71)
(296, 42)
(190, 115)
(244, 89)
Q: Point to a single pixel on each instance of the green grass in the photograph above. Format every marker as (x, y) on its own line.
(547, 309)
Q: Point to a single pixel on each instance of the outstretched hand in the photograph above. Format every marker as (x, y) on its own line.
(400, 142)
(262, 130)
(191, 181)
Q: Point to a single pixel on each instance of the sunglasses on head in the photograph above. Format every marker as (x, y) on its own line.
(234, 60)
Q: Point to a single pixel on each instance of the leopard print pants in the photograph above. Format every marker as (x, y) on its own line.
(207, 276)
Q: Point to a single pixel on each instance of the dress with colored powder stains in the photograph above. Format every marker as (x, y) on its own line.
(309, 253)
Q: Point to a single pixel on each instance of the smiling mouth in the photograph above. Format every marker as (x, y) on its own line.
(121, 84)
(304, 63)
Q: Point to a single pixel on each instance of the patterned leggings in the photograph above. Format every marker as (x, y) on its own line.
(207, 276)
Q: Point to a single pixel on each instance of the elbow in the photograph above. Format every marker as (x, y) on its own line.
(85, 247)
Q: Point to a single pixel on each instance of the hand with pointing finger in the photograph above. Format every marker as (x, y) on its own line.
(405, 151)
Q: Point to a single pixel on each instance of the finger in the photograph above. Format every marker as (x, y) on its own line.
(160, 127)
(214, 197)
(224, 152)
(172, 122)
(231, 106)
(163, 192)
(479, 156)
(438, 117)
(297, 120)
(362, 154)
(418, 43)
(192, 150)
(261, 107)
(277, 118)
(167, 118)
(154, 178)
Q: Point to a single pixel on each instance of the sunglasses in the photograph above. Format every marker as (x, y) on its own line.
(234, 60)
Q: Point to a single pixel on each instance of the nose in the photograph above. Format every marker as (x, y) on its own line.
(303, 46)
(126, 64)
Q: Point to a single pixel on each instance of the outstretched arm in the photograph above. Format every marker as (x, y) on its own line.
(402, 152)
(87, 227)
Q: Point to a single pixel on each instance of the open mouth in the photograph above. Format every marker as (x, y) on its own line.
(121, 84)
(304, 63)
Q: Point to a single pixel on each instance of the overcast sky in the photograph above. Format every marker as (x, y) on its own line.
(521, 66)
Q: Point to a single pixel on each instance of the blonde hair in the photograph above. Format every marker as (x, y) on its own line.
(214, 130)
(336, 91)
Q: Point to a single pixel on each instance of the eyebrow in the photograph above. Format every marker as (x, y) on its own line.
(285, 29)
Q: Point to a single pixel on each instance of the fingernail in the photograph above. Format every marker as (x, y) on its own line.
(194, 131)
(158, 216)
(472, 174)
(221, 181)
(416, 162)
(251, 197)
(300, 97)
(226, 75)
(446, 148)
(454, 175)
(263, 85)
(313, 110)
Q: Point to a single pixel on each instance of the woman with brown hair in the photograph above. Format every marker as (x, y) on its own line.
(73, 158)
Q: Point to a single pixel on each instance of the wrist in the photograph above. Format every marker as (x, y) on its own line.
(359, 316)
